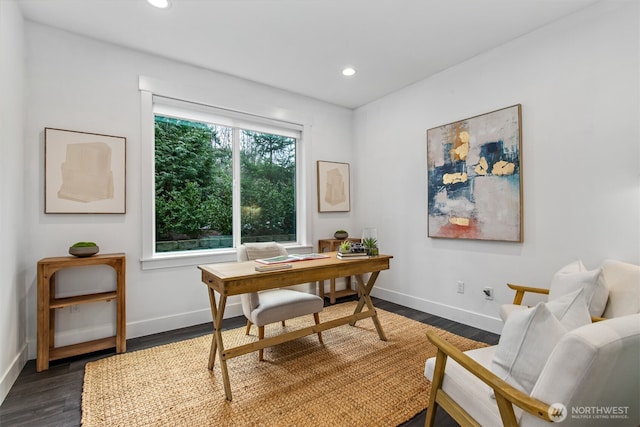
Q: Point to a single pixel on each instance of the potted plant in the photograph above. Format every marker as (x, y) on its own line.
(345, 247)
(341, 234)
(371, 246)
(83, 249)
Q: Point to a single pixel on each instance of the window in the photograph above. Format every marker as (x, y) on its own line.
(268, 187)
(200, 152)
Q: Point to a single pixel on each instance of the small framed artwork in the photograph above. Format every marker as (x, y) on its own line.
(84, 172)
(333, 187)
(474, 177)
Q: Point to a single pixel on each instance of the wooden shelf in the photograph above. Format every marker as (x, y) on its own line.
(56, 353)
(82, 299)
(345, 293)
(48, 303)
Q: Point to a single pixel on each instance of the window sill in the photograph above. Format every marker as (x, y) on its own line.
(192, 258)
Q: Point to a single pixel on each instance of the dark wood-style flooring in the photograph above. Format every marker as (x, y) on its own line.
(52, 398)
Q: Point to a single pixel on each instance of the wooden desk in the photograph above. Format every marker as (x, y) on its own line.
(331, 245)
(236, 278)
(48, 303)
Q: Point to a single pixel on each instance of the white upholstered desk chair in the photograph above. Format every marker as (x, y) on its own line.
(274, 305)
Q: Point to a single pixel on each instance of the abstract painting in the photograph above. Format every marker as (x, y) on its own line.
(474, 180)
(333, 187)
(84, 172)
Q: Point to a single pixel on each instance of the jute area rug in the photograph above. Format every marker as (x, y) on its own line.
(354, 379)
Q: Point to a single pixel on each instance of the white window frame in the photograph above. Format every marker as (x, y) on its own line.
(238, 114)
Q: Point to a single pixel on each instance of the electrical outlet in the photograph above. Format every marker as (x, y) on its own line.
(460, 286)
(488, 292)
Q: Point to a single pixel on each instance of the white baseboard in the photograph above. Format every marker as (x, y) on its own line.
(177, 321)
(11, 374)
(477, 320)
(167, 323)
(183, 320)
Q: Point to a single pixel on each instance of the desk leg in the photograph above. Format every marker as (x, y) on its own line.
(217, 312)
(214, 342)
(366, 299)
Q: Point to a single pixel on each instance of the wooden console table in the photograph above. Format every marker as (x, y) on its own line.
(48, 303)
(235, 278)
(331, 245)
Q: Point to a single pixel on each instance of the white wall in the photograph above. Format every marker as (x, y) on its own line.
(12, 295)
(578, 83)
(81, 84)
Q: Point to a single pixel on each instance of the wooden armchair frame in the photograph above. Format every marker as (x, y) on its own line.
(522, 289)
(506, 395)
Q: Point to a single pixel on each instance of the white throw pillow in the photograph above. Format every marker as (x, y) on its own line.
(527, 339)
(570, 310)
(529, 336)
(575, 276)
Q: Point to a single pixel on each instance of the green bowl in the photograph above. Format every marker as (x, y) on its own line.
(83, 251)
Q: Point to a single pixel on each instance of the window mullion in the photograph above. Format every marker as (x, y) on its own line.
(237, 223)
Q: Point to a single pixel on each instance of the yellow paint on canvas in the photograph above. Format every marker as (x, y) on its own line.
(464, 136)
(461, 151)
(464, 222)
(482, 166)
(454, 178)
(503, 168)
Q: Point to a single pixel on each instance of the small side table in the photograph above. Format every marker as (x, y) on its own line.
(48, 303)
(330, 245)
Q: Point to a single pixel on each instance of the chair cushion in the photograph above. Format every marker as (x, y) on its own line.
(281, 304)
(249, 302)
(575, 276)
(623, 282)
(469, 391)
(529, 336)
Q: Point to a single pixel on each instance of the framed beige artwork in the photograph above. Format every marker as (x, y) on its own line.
(84, 172)
(333, 187)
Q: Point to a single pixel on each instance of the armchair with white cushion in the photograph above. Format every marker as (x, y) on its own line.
(615, 291)
(552, 363)
(274, 305)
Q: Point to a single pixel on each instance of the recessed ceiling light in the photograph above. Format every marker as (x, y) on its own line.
(348, 72)
(162, 4)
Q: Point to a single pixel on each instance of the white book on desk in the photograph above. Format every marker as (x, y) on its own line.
(352, 255)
